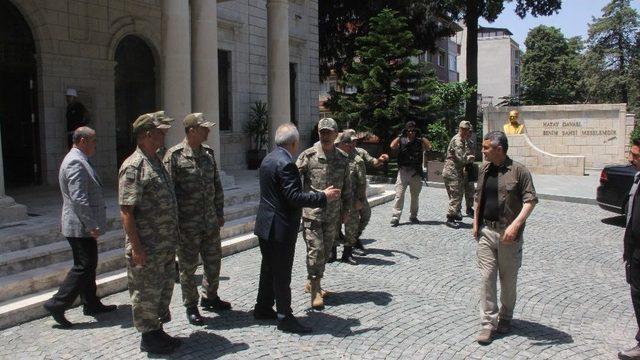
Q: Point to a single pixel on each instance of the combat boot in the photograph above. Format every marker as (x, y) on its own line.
(316, 298)
(347, 256)
(358, 249)
(307, 289)
(154, 343)
(334, 255)
(451, 222)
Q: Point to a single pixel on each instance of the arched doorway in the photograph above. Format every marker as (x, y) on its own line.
(135, 89)
(18, 102)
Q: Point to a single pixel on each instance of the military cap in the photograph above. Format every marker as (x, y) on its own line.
(343, 138)
(151, 121)
(162, 116)
(464, 124)
(327, 123)
(197, 119)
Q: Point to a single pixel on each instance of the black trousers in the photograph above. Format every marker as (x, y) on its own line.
(81, 279)
(633, 278)
(275, 275)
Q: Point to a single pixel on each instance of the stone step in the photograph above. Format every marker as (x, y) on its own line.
(24, 293)
(29, 307)
(49, 232)
(45, 255)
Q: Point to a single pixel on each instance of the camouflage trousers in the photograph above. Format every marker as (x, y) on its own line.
(351, 229)
(365, 216)
(150, 288)
(455, 191)
(208, 246)
(319, 237)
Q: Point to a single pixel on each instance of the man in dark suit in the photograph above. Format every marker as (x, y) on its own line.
(83, 221)
(277, 225)
(632, 247)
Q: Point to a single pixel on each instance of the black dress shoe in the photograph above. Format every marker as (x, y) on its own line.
(630, 354)
(57, 314)
(194, 317)
(291, 325)
(215, 304)
(264, 314)
(99, 308)
(154, 342)
(470, 212)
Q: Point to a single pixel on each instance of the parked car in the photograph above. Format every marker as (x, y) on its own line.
(615, 183)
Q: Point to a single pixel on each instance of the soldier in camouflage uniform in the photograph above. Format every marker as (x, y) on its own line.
(192, 167)
(458, 155)
(358, 178)
(149, 214)
(321, 166)
(365, 212)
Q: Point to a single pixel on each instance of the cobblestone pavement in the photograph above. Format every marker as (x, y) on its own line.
(414, 296)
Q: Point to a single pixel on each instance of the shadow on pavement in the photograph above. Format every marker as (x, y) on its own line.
(202, 344)
(619, 221)
(120, 317)
(541, 335)
(388, 253)
(379, 298)
(323, 323)
(229, 319)
(367, 260)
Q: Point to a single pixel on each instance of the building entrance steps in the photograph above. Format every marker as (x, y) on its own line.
(35, 257)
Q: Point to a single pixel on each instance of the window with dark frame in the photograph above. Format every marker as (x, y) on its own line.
(224, 89)
(293, 101)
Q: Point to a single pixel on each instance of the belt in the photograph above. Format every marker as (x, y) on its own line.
(493, 224)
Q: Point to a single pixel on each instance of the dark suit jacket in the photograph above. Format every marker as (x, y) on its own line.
(282, 198)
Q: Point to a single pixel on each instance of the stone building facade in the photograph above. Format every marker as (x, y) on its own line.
(126, 57)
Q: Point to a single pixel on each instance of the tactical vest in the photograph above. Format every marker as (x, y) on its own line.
(410, 153)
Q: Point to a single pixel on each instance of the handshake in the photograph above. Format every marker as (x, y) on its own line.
(332, 193)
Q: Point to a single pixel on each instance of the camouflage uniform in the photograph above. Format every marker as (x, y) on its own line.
(319, 171)
(200, 203)
(145, 185)
(365, 212)
(468, 186)
(453, 172)
(357, 176)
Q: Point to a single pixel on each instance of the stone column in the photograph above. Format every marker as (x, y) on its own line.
(10, 211)
(278, 64)
(204, 62)
(176, 66)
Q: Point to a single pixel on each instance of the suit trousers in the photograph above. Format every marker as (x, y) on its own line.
(81, 279)
(633, 279)
(497, 259)
(275, 275)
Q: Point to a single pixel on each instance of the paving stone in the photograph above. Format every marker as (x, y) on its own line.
(415, 296)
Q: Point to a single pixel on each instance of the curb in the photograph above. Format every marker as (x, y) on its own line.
(569, 199)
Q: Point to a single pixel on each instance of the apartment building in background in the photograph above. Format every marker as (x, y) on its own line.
(499, 62)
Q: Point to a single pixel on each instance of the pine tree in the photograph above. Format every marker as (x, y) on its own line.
(390, 86)
(612, 53)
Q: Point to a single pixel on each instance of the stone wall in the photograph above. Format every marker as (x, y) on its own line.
(599, 132)
(75, 47)
(521, 149)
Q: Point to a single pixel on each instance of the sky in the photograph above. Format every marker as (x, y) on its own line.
(573, 19)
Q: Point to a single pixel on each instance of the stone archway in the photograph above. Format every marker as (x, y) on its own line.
(135, 89)
(18, 99)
